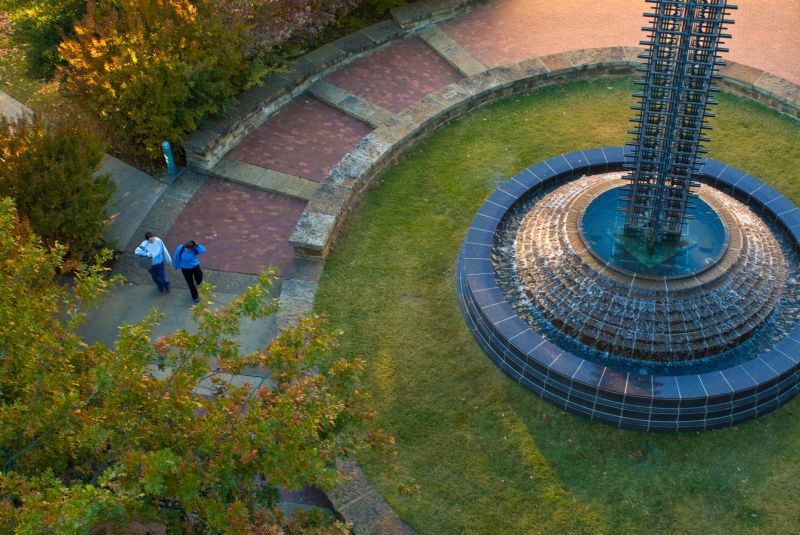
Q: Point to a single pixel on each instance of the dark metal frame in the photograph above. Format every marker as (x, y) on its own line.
(684, 38)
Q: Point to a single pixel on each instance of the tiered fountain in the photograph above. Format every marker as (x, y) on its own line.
(646, 286)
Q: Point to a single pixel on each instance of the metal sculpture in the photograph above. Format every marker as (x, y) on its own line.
(682, 61)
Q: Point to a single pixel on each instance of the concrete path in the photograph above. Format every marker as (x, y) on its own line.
(12, 109)
(131, 302)
(136, 194)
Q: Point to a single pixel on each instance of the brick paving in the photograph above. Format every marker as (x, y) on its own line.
(245, 230)
(397, 76)
(765, 35)
(305, 139)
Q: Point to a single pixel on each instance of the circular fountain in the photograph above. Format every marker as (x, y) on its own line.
(702, 336)
(681, 302)
(659, 298)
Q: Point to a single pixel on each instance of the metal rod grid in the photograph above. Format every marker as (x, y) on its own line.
(683, 47)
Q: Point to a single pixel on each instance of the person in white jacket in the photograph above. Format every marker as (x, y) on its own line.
(154, 248)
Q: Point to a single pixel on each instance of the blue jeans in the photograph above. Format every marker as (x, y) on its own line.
(159, 275)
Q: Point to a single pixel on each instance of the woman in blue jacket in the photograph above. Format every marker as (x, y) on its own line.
(185, 258)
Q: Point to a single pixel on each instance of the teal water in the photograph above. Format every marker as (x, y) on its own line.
(703, 243)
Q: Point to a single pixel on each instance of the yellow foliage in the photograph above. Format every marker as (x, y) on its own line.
(155, 68)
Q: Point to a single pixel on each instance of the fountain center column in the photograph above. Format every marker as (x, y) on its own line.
(683, 47)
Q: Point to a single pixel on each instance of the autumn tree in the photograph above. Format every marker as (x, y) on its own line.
(91, 434)
(155, 69)
(50, 170)
(40, 25)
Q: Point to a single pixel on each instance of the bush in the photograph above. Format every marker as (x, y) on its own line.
(154, 69)
(49, 171)
(40, 26)
(273, 24)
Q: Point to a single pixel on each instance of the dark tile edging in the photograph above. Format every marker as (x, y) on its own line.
(622, 399)
(342, 187)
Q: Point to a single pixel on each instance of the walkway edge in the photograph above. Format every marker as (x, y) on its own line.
(427, 12)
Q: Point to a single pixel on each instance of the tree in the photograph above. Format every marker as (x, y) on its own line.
(155, 69)
(91, 434)
(50, 172)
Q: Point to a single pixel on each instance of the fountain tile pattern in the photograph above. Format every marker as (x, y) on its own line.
(646, 318)
(623, 399)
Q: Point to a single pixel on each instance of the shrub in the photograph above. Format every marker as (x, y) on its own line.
(49, 171)
(274, 23)
(154, 69)
(39, 25)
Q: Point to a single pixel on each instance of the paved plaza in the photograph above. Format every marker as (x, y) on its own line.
(246, 220)
(306, 138)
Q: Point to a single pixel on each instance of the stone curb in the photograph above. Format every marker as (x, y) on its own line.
(360, 503)
(427, 12)
(263, 179)
(354, 173)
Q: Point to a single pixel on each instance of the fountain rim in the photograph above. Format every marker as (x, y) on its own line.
(646, 402)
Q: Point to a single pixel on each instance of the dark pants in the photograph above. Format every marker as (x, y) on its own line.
(193, 276)
(159, 275)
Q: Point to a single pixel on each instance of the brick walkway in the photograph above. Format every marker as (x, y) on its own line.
(766, 33)
(397, 76)
(282, 142)
(244, 230)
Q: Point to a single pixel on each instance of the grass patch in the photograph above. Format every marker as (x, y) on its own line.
(14, 78)
(477, 453)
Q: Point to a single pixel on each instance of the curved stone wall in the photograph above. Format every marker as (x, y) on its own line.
(342, 188)
(624, 399)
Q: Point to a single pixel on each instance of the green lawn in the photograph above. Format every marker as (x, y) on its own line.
(477, 453)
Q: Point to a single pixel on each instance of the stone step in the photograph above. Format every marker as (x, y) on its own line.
(352, 105)
(265, 179)
(451, 52)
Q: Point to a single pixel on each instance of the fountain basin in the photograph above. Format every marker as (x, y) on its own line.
(618, 396)
(705, 239)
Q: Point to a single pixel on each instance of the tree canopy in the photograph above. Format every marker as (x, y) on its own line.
(50, 170)
(92, 434)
